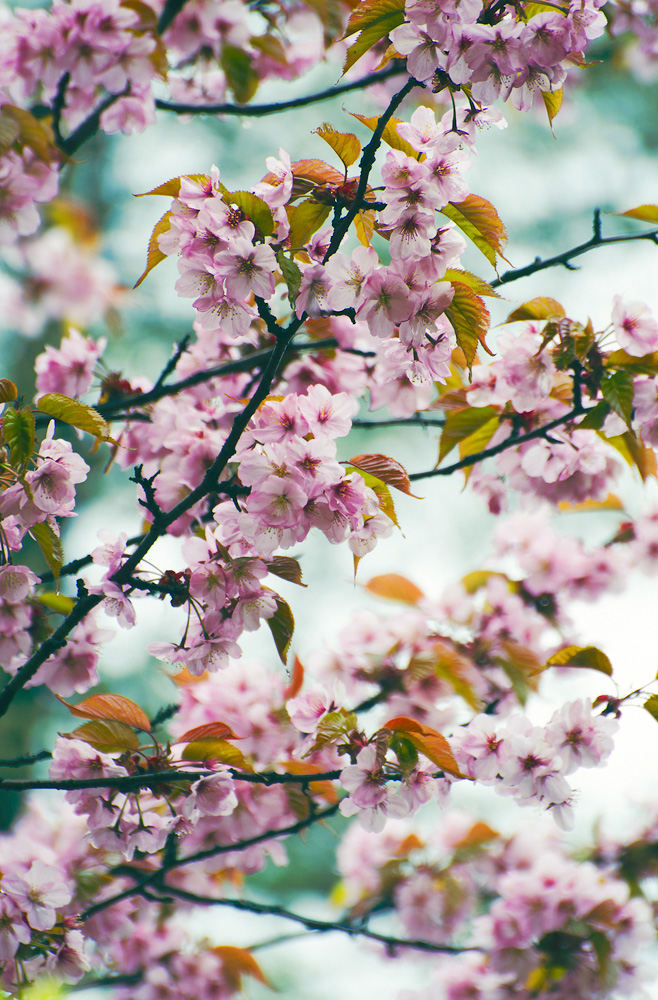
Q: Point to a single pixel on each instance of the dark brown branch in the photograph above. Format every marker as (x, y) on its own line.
(26, 759)
(396, 68)
(133, 782)
(564, 259)
(415, 421)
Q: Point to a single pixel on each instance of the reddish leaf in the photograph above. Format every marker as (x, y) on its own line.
(282, 626)
(217, 730)
(8, 390)
(387, 469)
(296, 680)
(110, 706)
(428, 741)
(395, 588)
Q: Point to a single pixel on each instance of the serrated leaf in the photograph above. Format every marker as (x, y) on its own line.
(364, 225)
(581, 656)
(254, 208)
(390, 134)
(474, 282)
(388, 470)
(305, 219)
(332, 726)
(75, 413)
(479, 220)
(110, 706)
(345, 145)
(296, 680)
(171, 188)
(154, 254)
(460, 424)
(241, 76)
(542, 307)
(33, 132)
(211, 730)
(469, 318)
(395, 588)
(617, 391)
(282, 626)
(382, 493)
(291, 275)
(373, 19)
(428, 741)
(286, 568)
(478, 441)
(645, 213)
(51, 546)
(18, 432)
(60, 603)
(552, 102)
(210, 748)
(595, 417)
(646, 365)
(8, 390)
(106, 735)
(236, 963)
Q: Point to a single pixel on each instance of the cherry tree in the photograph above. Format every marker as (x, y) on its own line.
(327, 290)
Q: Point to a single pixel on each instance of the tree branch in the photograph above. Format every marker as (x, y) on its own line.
(131, 782)
(397, 68)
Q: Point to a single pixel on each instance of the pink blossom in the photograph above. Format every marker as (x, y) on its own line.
(635, 327)
(39, 892)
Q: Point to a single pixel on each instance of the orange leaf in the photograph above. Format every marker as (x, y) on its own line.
(110, 706)
(296, 680)
(395, 587)
(154, 254)
(386, 469)
(428, 741)
(238, 962)
(216, 730)
(324, 788)
(344, 144)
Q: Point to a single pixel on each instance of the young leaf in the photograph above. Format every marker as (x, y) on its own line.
(60, 603)
(395, 588)
(171, 188)
(344, 144)
(50, 544)
(390, 134)
(469, 318)
(388, 470)
(110, 706)
(8, 390)
(79, 415)
(474, 282)
(617, 391)
(460, 424)
(154, 254)
(383, 494)
(282, 626)
(552, 103)
(286, 568)
(296, 680)
(236, 963)
(210, 748)
(364, 225)
(291, 275)
(479, 220)
(254, 208)
(540, 308)
(334, 725)
(428, 741)
(373, 19)
(581, 656)
(645, 213)
(646, 365)
(18, 432)
(305, 219)
(241, 76)
(211, 730)
(106, 736)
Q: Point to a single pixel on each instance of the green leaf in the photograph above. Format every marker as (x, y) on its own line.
(474, 282)
(154, 254)
(469, 318)
(373, 19)
(241, 76)
(305, 219)
(291, 275)
(286, 568)
(344, 144)
(540, 308)
(106, 735)
(617, 391)
(581, 656)
(381, 490)
(332, 726)
(651, 705)
(479, 220)
(73, 412)
(646, 365)
(595, 418)
(18, 432)
(254, 208)
(282, 626)
(51, 546)
(60, 603)
(390, 134)
(210, 748)
(460, 424)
